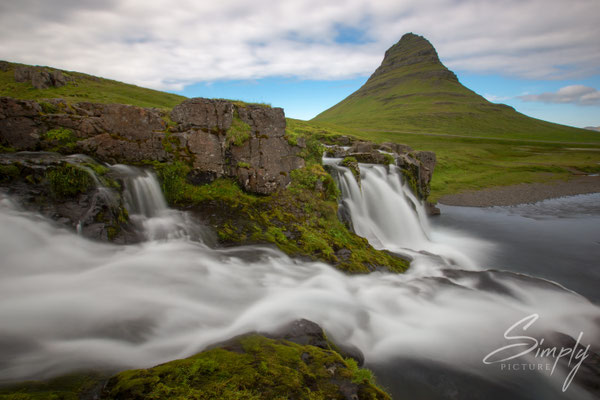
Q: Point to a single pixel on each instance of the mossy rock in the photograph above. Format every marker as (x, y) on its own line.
(352, 164)
(250, 367)
(301, 220)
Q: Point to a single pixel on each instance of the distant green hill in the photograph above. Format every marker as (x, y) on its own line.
(81, 87)
(412, 91)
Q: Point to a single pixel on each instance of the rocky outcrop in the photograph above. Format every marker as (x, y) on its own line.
(67, 190)
(417, 166)
(298, 363)
(39, 77)
(221, 138)
(217, 138)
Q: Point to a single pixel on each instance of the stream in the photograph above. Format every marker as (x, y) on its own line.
(67, 303)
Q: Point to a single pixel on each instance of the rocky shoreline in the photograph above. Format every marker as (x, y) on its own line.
(523, 193)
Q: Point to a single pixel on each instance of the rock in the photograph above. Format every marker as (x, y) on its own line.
(428, 161)
(372, 157)
(18, 127)
(97, 213)
(336, 152)
(204, 114)
(261, 161)
(431, 209)
(362, 147)
(396, 148)
(40, 78)
(5, 66)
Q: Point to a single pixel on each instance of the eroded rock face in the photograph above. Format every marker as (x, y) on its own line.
(261, 159)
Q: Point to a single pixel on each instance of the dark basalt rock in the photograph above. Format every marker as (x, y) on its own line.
(97, 213)
(117, 133)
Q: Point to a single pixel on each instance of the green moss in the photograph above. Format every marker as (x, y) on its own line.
(9, 172)
(239, 132)
(61, 139)
(352, 164)
(242, 164)
(5, 149)
(48, 108)
(68, 181)
(389, 159)
(258, 368)
(68, 387)
(300, 220)
(361, 375)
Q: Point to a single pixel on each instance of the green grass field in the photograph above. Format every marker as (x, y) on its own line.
(88, 88)
(466, 163)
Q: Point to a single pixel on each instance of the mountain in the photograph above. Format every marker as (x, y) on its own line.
(593, 128)
(412, 91)
(37, 83)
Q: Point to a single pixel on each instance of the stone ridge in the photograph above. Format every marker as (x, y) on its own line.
(197, 135)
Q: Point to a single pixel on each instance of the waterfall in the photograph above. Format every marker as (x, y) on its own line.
(143, 194)
(385, 211)
(148, 208)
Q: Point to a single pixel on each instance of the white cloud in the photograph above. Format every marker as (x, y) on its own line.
(575, 94)
(168, 44)
(495, 99)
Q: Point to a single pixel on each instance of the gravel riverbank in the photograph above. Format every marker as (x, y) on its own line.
(523, 193)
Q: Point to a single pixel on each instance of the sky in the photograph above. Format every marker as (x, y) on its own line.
(540, 56)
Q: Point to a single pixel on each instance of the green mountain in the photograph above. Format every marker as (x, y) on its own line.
(37, 83)
(412, 91)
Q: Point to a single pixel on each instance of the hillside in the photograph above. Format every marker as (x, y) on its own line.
(413, 92)
(36, 83)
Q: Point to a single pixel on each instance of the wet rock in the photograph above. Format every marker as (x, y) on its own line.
(96, 212)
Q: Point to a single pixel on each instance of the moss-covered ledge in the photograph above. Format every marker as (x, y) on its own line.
(301, 219)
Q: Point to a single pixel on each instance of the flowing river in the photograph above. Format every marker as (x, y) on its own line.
(67, 303)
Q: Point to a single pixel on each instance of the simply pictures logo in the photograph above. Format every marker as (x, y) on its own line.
(546, 357)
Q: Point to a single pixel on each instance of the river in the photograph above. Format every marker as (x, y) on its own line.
(67, 303)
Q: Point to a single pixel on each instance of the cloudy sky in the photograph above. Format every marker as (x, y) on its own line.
(540, 56)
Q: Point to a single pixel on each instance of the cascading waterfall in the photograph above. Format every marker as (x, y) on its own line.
(67, 303)
(385, 211)
(148, 208)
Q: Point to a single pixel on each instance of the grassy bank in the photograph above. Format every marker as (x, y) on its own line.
(82, 87)
(467, 163)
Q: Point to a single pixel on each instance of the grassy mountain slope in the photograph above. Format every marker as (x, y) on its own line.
(82, 87)
(412, 91)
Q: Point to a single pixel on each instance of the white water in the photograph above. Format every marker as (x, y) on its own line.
(386, 212)
(68, 303)
(148, 208)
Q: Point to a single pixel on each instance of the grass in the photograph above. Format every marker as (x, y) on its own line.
(425, 97)
(68, 181)
(467, 163)
(89, 88)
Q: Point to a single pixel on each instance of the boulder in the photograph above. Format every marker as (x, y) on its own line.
(40, 78)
